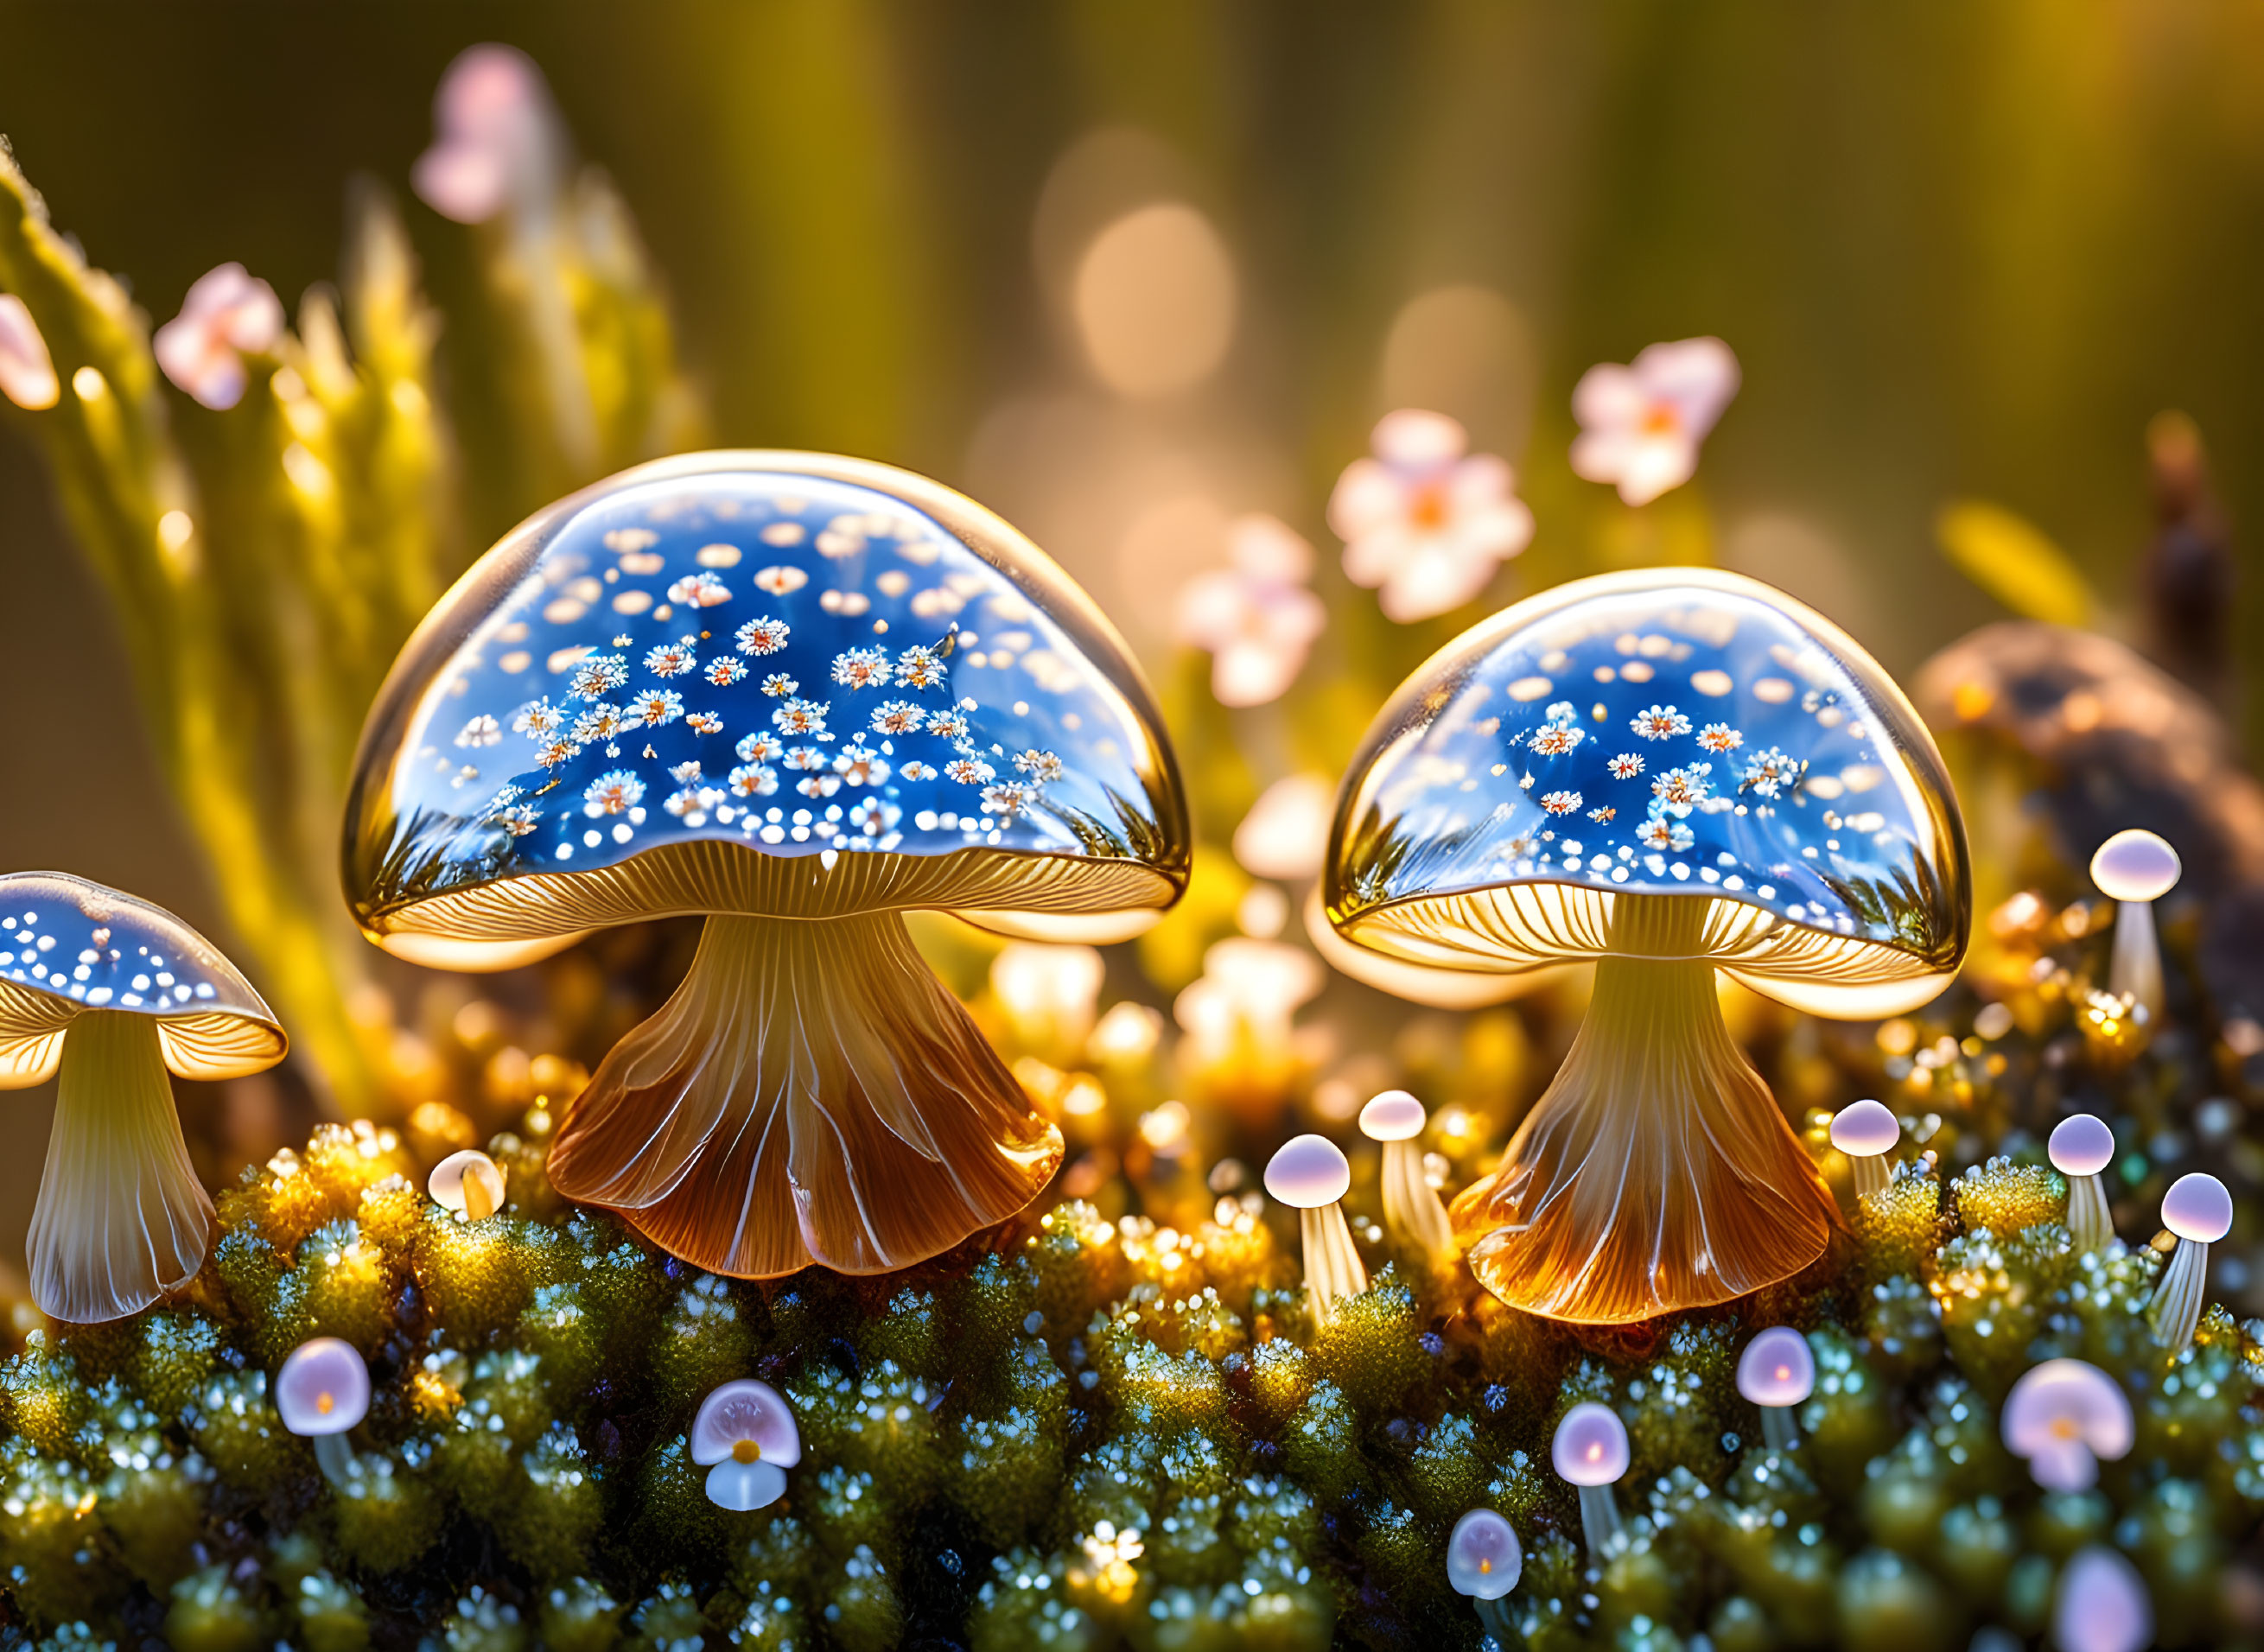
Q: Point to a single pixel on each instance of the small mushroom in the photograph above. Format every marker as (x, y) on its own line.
(2135, 869)
(1670, 774)
(2199, 1210)
(798, 695)
(322, 1391)
(1867, 1133)
(468, 1182)
(743, 1434)
(2102, 1604)
(1777, 1373)
(1591, 1451)
(2064, 1416)
(1483, 1563)
(112, 993)
(1310, 1174)
(2081, 1147)
(1411, 1206)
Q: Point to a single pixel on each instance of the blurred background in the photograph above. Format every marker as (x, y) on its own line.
(1130, 274)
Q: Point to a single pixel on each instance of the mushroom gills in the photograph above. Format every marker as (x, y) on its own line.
(121, 1218)
(2090, 1223)
(811, 1093)
(1658, 1173)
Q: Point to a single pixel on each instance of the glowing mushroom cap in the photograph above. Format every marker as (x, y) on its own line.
(1679, 732)
(1393, 1116)
(2197, 1207)
(2102, 1604)
(743, 1434)
(1308, 1172)
(322, 1389)
(2064, 1416)
(766, 683)
(1484, 1557)
(1590, 1447)
(2082, 1145)
(1777, 1368)
(68, 945)
(446, 1182)
(1865, 1129)
(2135, 866)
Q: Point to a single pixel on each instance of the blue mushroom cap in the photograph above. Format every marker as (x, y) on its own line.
(815, 661)
(1674, 732)
(68, 945)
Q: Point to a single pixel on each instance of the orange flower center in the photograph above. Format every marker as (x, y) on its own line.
(1429, 510)
(1661, 419)
(746, 1451)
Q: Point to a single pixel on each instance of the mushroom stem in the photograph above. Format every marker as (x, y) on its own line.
(1658, 1173)
(121, 1218)
(810, 1093)
(2176, 1308)
(2089, 1223)
(1870, 1174)
(1413, 1210)
(1600, 1520)
(1333, 1267)
(2136, 966)
(336, 1459)
(1498, 1621)
(1777, 1432)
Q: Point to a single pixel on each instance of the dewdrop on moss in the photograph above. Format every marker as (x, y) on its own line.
(2064, 1416)
(2081, 1147)
(2199, 1210)
(743, 1434)
(1483, 1562)
(2135, 869)
(1591, 1451)
(1867, 1133)
(322, 1391)
(1777, 1373)
(1413, 1210)
(468, 1182)
(1310, 1174)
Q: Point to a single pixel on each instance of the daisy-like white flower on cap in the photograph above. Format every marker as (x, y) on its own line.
(27, 372)
(1425, 522)
(227, 314)
(744, 1436)
(1641, 425)
(2064, 1416)
(1254, 617)
(497, 142)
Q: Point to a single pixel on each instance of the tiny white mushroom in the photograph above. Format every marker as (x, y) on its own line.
(1866, 1132)
(743, 1434)
(1591, 1451)
(2080, 1149)
(1413, 1210)
(2135, 869)
(2064, 1416)
(2102, 1604)
(1483, 1562)
(322, 1391)
(468, 1182)
(2199, 1210)
(1777, 1373)
(1310, 1174)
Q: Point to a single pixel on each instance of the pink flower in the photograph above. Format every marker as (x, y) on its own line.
(1640, 425)
(743, 1435)
(1254, 617)
(227, 315)
(27, 372)
(499, 142)
(1423, 520)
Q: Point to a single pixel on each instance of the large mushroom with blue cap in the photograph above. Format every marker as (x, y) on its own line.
(798, 695)
(1670, 772)
(109, 994)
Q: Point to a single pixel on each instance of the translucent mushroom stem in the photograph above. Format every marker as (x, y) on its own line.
(1777, 1431)
(1333, 1267)
(336, 1459)
(810, 1093)
(121, 1218)
(1499, 1620)
(1870, 1173)
(2089, 1223)
(1658, 1173)
(2135, 967)
(1600, 1521)
(2176, 1308)
(1413, 1210)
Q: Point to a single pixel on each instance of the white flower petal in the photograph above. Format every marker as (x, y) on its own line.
(1367, 496)
(1416, 439)
(27, 372)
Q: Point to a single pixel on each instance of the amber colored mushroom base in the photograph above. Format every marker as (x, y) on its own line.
(810, 1094)
(1657, 1174)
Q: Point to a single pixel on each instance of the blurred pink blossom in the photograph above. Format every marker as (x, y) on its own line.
(498, 143)
(1424, 522)
(27, 372)
(227, 315)
(1641, 425)
(1255, 616)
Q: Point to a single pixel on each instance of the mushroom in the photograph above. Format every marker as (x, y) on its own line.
(468, 1182)
(2080, 1148)
(2135, 869)
(1668, 772)
(1411, 1207)
(2199, 1210)
(1310, 1174)
(2102, 1604)
(1866, 1132)
(743, 1434)
(798, 695)
(114, 993)
(1483, 1562)
(1777, 1373)
(2063, 1417)
(322, 1391)
(1591, 1451)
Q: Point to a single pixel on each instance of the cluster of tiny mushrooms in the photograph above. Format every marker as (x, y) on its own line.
(1662, 773)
